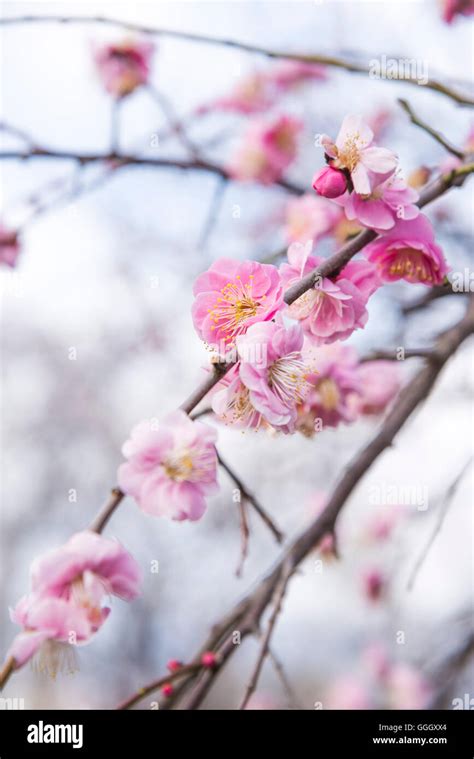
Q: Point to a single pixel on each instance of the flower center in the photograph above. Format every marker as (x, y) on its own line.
(234, 306)
(329, 394)
(54, 657)
(349, 155)
(412, 265)
(179, 466)
(287, 378)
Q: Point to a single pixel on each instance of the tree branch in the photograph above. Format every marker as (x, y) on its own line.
(429, 130)
(326, 60)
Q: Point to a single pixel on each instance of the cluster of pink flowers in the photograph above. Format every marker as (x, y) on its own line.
(124, 66)
(9, 246)
(65, 605)
(363, 179)
(268, 147)
(342, 389)
(259, 91)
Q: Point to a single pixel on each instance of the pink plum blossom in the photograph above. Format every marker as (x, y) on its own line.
(388, 201)
(309, 218)
(68, 587)
(373, 584)
(251, 94)
(233, 295)
(232, 404)
(124, 66)
(381, 526)
(332, 309)
(9, 246)
(171, 466)
(354, 152)
(266, 150)
(334, 388)
(330, 183)
(274, 370)
(408, 251)
(379, 384)
(348, 692)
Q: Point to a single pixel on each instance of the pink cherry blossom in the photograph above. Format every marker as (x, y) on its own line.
(354, 152)
(274, 370)
(9, 246)
(310, 218)
(388, 201)
(124, 66)
(231, 296)
(331, 310)
(453, 8)
(330, 183)
(379, 384)
(171, 467)
(408, 251)
(266, 150)
(334, 387)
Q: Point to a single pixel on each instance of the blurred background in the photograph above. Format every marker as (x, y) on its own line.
(97, 335)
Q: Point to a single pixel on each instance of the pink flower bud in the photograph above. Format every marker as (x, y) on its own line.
(329, 182)
(209, 659)
(174, 664)
(167, 689)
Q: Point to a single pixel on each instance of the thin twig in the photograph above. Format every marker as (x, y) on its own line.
(250, 498)
(429, 130)
(277, 600)
(244, 538)
(448, 498)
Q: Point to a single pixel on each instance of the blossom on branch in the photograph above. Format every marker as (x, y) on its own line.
(124, 66)
(409, 252)
(171, 467)
(266, 150)
(9, 246)
(233, 295)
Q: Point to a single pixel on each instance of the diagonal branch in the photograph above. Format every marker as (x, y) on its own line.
(432, 132)
(333, 61)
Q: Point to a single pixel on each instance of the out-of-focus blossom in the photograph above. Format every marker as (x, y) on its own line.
(171, 467)
(373, 584)
(332, 309)
(388, 201)
(381, 525)
(407, 688)
(231, 296)
(124, 66)
(266, 150)
(452, 162)
(348, 692)
(453, 8)
(9, 246)
(274, 370)
(354, 152)
(408, 251)
(419, 177)
(330, 183)
(310, 218)
(332, 397)
(287, 74)
(379, 384)
(262, 701)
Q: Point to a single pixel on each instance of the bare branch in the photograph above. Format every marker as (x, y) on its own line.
(429, 130)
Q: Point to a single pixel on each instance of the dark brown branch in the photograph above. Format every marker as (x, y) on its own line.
(251, 608)
(326, 60)
(265, 644)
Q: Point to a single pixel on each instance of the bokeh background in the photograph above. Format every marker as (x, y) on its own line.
(108, 272)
